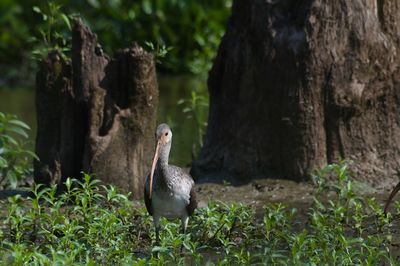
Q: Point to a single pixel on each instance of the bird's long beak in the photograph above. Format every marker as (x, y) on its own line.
(153, 166)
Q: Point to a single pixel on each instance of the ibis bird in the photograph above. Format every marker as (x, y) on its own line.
(169, 191)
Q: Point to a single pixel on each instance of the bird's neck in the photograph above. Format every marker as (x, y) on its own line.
(164, 155)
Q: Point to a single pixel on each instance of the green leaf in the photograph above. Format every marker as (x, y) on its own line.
(12, 179)
(37, 9)
(19, 131)
(94, 3)
(150, 45)
(159, 249)
(10, 140)
(31, 154)
(146, 6)
(66, 20)
(19, 123)
(3, 162)
(43, 34)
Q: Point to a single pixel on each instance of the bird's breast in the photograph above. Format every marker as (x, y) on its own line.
(170, 204)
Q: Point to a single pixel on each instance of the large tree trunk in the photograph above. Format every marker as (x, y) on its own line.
(96, 114)
(298, 84)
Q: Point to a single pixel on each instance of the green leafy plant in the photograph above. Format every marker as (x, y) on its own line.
(15, 159)
(92, 223)
(193, 28)
(54, 32)
(195, 107)
(159, 51)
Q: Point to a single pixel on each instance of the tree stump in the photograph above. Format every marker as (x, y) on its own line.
(298, 84)
(96, 114)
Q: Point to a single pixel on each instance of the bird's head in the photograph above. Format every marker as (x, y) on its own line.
(163, 137)
(163, 134)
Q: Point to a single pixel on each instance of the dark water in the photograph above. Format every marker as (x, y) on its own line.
(21, 102)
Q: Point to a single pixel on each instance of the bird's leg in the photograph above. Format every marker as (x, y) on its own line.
(156, 221)
(185, 220)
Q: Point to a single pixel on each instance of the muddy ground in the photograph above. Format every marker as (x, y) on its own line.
(260, 192)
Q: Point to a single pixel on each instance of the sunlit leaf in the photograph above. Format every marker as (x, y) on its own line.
(19, 123)
(37, 9)
(94, 3)
(19, 131)
(3, 162)
(12, 179)
(66, 21)
(10, 140)
(31, 154)
(146, 6)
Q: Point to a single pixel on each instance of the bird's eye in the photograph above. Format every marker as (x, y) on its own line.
(166, 134)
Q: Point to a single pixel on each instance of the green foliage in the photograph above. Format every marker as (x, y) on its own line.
(160, 52)
(88, 223)
(95, 224)
(196, 108)
(193, 28)
(15, 30)
(15, 159)
(54, 31)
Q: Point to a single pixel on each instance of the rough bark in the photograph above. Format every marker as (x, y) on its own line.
(53, 91)
(96, 114)
(298, 84)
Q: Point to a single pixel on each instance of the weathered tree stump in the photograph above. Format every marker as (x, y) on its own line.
(298, 84)
(96, 114)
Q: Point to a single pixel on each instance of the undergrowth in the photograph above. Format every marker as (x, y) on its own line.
(15, 158)
(94, 224)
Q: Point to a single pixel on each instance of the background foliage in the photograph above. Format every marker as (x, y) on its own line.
(192, 28)
(15, 158)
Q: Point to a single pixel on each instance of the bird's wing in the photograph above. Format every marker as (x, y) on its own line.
(188, 181)
(192, 202)
(179, 172)
(147, 199)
